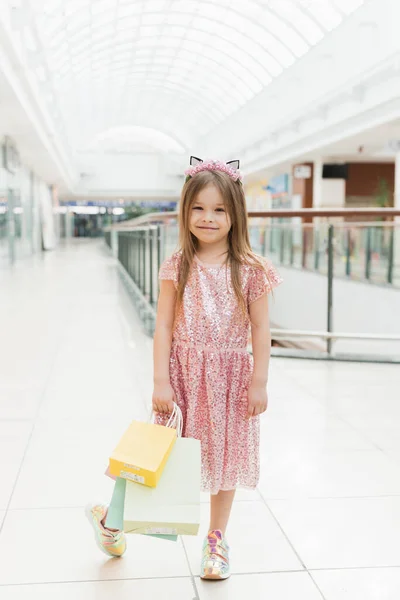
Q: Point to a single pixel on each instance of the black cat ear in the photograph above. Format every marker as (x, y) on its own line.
(234, 164)
(194, 161)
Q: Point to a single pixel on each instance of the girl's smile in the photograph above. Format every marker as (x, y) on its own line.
(209, 217)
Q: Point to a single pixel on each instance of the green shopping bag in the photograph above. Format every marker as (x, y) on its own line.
(173, 507)
(115, 515)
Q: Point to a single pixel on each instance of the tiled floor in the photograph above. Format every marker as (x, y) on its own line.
(75, 367)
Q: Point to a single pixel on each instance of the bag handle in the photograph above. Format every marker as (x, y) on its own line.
(175, 420)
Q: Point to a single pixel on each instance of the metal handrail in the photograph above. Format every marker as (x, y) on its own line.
(274, 213)
(288, 334)
(338, 224)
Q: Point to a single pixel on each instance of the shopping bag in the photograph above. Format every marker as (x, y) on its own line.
(108, 474)
(143, 451)
(115, 513)
(173, 507)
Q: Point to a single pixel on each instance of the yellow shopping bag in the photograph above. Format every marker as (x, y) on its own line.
(143, 451)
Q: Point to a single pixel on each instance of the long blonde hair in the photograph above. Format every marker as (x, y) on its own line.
(239, 249)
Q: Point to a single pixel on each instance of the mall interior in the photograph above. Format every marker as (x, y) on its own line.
(102, 104)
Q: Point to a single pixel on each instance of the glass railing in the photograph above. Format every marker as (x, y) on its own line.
(139, 256)
(107, 238)
(360, 251)
(349, 252)
(4, 243)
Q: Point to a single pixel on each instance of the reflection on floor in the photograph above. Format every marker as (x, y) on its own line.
(75, 367)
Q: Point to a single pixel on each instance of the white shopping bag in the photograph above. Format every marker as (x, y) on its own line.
(173, 507)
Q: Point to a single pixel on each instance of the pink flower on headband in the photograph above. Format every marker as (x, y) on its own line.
(214, 165)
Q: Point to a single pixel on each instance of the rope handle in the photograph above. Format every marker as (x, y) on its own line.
(175, 420)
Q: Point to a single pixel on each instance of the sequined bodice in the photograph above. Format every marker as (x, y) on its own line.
(210, 314)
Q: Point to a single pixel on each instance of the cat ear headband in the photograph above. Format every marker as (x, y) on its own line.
(197, 165)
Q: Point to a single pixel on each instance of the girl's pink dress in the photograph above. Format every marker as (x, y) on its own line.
(211, 369)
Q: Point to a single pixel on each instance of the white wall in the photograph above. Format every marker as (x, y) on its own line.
(139, 174)
(36, 224)
(47, 216)
(27, 205)
(301, 301)
(333, 193)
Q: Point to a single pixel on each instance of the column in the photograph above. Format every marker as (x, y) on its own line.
(3, 215)
(397, 182)
(396, 255)
(317, 183)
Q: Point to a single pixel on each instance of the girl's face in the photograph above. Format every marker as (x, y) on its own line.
(209, 219)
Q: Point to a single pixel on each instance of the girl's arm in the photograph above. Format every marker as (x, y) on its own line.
(163, 395)
(261, 342)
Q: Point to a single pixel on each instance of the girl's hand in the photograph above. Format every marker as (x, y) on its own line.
(163, 398)
(257, 400)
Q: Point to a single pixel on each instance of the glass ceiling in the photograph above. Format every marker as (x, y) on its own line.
(176, 67)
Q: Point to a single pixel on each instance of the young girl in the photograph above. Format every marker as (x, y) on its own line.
(211, 291)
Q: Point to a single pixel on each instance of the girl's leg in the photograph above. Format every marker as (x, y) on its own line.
(221, 505)
(215, 562)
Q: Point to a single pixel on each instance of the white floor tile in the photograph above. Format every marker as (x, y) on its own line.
(14, 436)
(394, 455)
(359, 584)
(257, 544)
(242, 495)
(33, 373)
(314, 432)
(146, 589)
(292, 402)
(93, 378)
(65, 463)
(361, 397)
(95, 398)
(277, 586)
(339, 533)
(296, 472)
(378, 419)
(46, 546)
(85, 364)
(385, 438)
(336, 374)
(366, 401)
(77, 357)
(19, 401)
(105, 328)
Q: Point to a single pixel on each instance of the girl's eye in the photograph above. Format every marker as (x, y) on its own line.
(200, 208)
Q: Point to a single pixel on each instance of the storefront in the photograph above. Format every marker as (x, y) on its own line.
(27, 223)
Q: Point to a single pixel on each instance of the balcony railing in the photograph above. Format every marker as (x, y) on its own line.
(360, 245)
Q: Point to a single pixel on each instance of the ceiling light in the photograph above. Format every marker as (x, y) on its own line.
(85, 210)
